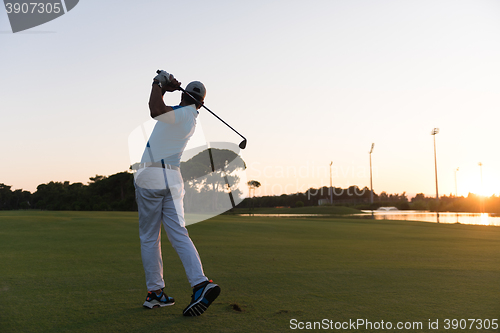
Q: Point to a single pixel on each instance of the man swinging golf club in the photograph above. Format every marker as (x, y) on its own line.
(160, 191)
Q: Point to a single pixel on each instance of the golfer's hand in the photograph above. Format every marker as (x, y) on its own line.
(171, 85)
(162, 77)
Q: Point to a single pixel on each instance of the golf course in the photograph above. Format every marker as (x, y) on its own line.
(82, 272)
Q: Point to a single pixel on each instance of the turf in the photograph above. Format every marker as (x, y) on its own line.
(82, 272)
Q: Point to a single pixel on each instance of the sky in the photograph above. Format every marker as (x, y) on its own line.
(307, 83)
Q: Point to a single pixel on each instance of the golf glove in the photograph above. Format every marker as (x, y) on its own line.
(163, 77)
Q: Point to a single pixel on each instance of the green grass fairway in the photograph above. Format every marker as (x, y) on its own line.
(82, 272)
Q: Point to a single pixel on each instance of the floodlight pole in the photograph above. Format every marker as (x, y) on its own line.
(456, 187)
(481, 171)
(331, 190)
(371, 183)
(433, 133)
(482, 191)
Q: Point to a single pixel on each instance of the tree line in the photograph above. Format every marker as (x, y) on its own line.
(360, 199)
(117, 193)
(471, 203)
(206, 178)
(352, 196)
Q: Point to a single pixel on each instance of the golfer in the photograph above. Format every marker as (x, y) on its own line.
(160, 191)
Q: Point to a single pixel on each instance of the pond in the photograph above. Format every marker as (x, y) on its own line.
(409, 215)
(448, 217)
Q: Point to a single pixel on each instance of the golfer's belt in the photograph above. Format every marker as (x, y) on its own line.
(160, 164)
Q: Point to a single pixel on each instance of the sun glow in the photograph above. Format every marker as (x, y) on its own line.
(469, 181)
(485, 219)
(485, 191)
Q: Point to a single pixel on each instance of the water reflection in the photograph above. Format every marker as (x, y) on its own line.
(409, 215)
(462, 218)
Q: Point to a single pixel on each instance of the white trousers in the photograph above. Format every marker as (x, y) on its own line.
(159, 194)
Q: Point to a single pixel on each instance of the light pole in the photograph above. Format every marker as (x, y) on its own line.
(481, 171)
(331, 191)
(433, 133)
(456, 187)
(371, 183)
(481, 191)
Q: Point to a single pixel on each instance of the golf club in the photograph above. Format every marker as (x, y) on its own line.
(242, 144)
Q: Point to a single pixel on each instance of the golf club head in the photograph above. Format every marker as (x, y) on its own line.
(243, 144)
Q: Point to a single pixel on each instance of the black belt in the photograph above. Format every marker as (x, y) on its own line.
(161, 164)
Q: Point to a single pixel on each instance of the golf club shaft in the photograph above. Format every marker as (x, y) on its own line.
(216, 116)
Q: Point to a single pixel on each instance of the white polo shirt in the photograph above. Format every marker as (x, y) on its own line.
(167, 141)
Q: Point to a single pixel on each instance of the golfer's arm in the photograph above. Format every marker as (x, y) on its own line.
(158, 108)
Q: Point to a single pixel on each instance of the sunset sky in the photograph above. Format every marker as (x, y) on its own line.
(306, 82)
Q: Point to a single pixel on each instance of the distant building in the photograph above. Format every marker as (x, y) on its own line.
(322, 202)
